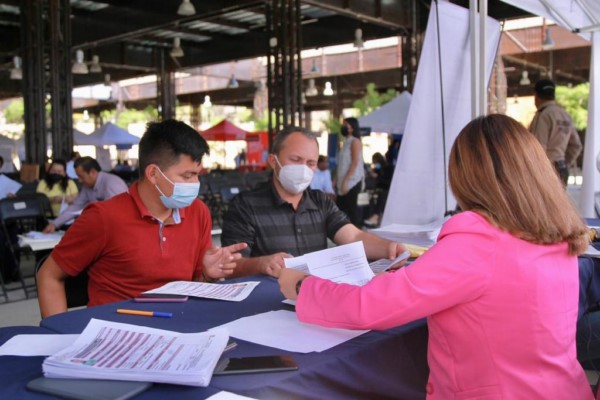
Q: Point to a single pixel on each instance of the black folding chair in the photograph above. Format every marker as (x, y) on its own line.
(18, 215)
(76, 287)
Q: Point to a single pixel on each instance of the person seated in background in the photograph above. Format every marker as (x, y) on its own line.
(322, 177)
(8, 268)
(56, 185)
(284, 218)
(156, 233)
(382, 172)
(96, 186)
(6, 181)
(500, 286)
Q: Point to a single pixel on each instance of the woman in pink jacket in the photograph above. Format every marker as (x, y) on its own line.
(500, 286)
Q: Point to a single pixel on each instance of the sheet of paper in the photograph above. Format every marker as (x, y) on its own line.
(8, 186)
(111, 350)
(342, 264)
(282, 330)
(384, 264)
(420, 235)
(223, 395)
(592, 252)
(218, 291)
(36, 345)
(40, 241)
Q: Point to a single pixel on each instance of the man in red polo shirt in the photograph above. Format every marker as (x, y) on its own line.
(156, 233)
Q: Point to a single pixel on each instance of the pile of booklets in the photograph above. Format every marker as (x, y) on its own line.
(115, 351)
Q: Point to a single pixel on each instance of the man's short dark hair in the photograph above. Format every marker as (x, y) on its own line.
(322, 158)
(87, 164)
(164, 142)
(287, 131)
(545, 89)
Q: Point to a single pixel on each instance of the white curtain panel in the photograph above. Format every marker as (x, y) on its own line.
(419, 193)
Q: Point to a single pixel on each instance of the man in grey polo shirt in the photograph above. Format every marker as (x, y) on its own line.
(285, 219)
(96, 186)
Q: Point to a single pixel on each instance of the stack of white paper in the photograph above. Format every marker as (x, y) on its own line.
(420, 235)
(40, 241)
(110, 350)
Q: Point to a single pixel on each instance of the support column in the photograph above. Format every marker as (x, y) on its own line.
(61, 79)
(32, 43)
(165, 87)
(284, 67)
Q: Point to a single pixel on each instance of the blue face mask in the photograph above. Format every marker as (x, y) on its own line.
(183, 193)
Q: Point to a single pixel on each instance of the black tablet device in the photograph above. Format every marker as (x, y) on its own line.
(88, 389)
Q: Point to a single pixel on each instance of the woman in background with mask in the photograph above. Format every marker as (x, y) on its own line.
(350, 170)
(57, 186)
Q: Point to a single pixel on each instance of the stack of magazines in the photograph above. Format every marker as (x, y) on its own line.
(110, 350)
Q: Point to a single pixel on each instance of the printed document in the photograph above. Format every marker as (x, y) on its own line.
(282, 330)
(218, 291)
(342, 264)
(111, 350)
(8, 186)
(384, 264)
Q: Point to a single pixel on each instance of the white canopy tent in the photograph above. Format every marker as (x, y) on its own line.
(441, 106)
(107, 135)
(389, 118)
(583, 17)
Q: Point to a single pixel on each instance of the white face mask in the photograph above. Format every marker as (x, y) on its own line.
(294, 177)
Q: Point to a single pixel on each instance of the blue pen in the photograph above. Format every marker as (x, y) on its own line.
(146, 313)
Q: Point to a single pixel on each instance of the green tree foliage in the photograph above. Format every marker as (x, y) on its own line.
(129, 116)
(372, 100)
(14, 112)
(575, 101)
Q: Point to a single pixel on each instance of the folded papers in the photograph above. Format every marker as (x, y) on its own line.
(116, 351)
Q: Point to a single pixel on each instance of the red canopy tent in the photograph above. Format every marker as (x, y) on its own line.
(224, 131)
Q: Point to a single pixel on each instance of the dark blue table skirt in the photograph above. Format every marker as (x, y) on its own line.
(377, 365)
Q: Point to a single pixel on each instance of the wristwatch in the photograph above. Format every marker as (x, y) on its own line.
(299, 284)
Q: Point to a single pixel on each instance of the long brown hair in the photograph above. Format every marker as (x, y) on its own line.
(498, 169)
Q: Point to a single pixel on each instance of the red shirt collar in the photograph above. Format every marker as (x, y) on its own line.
(144, 213)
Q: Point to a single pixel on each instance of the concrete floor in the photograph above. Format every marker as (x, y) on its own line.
(20, 310)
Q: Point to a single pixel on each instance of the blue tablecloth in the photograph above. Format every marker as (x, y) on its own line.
(377, 365)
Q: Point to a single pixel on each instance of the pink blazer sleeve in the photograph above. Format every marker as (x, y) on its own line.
(454, 271)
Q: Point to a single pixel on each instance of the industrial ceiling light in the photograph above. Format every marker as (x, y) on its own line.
(95, 65)
(186, 8)
(176, 51)
(524, 79)
(79, 67)
(548, 42)
(358, 40)
(311, 90)
(207, 102)
(16, 73)
(328, 91)
(107, 81)
(233, 83)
